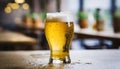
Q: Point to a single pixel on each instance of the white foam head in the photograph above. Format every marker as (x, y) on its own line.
(59, 16)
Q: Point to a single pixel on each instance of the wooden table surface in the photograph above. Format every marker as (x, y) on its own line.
(86, 34)
(82, 59)
(15, 38)
(94, 34)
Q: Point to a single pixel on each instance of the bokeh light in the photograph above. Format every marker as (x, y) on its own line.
(8, 9)
(19, 1)
(14, 5)
(25, 6)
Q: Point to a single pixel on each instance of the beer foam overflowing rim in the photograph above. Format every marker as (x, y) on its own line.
(60, 16)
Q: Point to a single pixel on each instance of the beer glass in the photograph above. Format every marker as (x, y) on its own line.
(59, 29)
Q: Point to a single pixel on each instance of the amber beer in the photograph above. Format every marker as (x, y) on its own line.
(59, 32)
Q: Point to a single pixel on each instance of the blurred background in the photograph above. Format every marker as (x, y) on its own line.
(22, 23)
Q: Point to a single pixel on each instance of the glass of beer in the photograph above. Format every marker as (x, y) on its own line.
(59, 29)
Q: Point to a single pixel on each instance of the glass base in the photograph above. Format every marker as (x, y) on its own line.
(57, 60)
